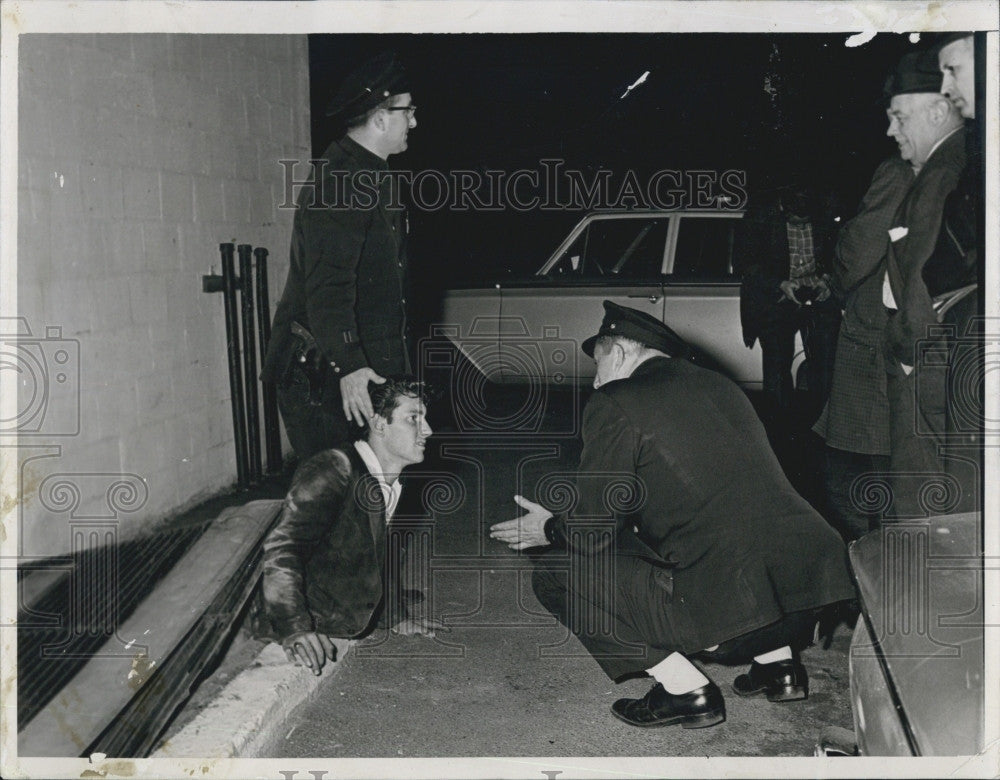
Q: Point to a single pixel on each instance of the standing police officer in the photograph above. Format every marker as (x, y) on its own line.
(341, 320)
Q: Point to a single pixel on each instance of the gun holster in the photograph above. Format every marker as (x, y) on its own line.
(308, 358)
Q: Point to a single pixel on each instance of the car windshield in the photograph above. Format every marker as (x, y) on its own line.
(626, 247)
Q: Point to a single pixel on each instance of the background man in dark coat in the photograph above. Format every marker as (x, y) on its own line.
(928, 129)
(783, 254)
(707, 546)
(325, 560)
(954, 271)
(855, 421)
(341, 320)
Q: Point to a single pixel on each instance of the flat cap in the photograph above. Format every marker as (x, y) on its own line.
(916, 72)
(637, 326)
(367, 86)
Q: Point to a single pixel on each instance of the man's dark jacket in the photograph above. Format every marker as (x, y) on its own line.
(762, 258)
(324, 561)
(920, 213)
(347, 272)
(710, 502)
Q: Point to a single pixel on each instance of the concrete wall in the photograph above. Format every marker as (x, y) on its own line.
(138, 156)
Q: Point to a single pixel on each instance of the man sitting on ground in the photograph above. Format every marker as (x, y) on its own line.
(325, 567)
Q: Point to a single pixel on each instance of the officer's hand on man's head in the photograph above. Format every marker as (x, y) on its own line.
(307, 648)
(524, 531)
(354, 391)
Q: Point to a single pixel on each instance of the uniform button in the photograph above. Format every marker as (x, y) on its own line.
(404, 300)
(336, 369)
(399, 264)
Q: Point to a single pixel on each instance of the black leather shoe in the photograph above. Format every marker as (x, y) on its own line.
(695, 710)
(781, 681)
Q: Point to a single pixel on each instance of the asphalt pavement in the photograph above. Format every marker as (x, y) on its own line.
(506, 679)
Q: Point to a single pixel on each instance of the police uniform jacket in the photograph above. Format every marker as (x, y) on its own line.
(729, 543)
(347, 271)
(324, 561)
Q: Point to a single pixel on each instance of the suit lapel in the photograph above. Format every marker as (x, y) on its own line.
(376, 515)
(372, 503)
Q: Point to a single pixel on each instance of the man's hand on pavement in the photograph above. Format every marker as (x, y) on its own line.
(524, 531)
(354, 391)
(307, 648)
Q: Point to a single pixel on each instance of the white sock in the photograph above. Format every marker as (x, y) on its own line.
(677, 674)
(781, 654)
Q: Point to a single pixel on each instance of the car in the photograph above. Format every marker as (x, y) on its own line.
(674, 265)
(917, 653)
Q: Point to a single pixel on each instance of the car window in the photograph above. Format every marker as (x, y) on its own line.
(705, 247)
(616, 248)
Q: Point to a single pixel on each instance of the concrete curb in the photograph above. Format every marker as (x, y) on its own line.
(246, 718)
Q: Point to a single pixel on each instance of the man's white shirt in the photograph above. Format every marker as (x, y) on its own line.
(391, 492)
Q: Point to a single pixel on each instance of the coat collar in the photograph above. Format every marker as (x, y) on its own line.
(365, 158)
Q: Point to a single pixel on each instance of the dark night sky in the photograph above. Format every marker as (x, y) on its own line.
(506, 101)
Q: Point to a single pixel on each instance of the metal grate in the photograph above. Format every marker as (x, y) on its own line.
(69, 624)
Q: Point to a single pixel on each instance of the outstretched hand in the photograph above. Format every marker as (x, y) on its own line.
(354, 391)
(423, 626)
(525, 531)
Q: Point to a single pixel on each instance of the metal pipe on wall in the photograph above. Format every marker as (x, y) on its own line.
(250, 362)
(229, 284)
(272, 434)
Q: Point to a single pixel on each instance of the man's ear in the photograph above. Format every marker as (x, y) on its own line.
(377, 423)
(940, 110)
(620, 354)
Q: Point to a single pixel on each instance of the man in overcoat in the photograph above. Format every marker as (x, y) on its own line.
(325, 568)
(341, 320)
(684, 538)
(855, 421)
(929, 131)
(954, 272)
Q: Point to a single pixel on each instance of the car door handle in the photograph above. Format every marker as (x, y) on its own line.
(650, 298)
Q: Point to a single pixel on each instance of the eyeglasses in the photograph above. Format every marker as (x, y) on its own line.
(410, 110)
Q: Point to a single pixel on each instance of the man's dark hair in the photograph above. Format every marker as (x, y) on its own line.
(385, 397)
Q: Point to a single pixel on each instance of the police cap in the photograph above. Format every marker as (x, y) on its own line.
(637, 326)
(368, 85)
